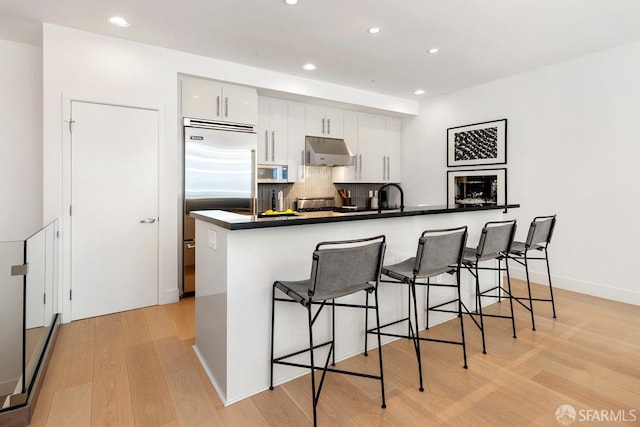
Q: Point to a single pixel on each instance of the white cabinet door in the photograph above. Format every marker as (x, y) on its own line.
(335, 123)
(393, 150)
(272, 131)
(315, 121)
(296, 146)
(371, 148)
(239, 104)
(325, 122)
(278, 131)
(212, 100)
(114, 216)
(201, 99)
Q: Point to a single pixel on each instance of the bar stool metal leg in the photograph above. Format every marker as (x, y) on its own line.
(415, 331)
(428, 305)
(526, 270)
(513, 319)
(314, 397)
(273, 318)
(366, 325)
(479, 310)
(384, 403)
(553, 304)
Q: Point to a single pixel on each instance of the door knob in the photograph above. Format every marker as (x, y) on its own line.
(147, 221)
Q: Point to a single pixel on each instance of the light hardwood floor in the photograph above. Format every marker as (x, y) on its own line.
(137, 368)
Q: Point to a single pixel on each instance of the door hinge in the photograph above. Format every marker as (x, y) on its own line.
(70, 294)
(20, 270)
(69, 210)
(70, 122)
(58, 234)
(44, 299)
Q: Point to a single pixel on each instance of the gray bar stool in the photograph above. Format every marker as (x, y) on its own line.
(538, 239)
(338, 269)
(439, 251)
(495, 244)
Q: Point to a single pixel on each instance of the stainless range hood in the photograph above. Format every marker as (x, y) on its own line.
(327, 152)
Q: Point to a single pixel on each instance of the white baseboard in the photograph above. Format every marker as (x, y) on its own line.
(168, 297)
(221, 395)
(587, 288)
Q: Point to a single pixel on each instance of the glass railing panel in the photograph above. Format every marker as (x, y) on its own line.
(41, 295)
(28, 310)
(11, 322)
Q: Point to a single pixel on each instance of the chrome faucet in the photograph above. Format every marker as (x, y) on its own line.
(391, 184)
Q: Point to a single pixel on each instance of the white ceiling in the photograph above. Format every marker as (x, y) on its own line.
(479, 40)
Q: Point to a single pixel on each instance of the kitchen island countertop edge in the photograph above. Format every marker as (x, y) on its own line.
(232, 221)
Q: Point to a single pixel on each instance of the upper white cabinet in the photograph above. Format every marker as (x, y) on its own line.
(378, 151)
(272, 131)
(213, 100)
(371, 148)
(326, 122)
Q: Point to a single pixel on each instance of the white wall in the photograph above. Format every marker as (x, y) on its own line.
(20, 140)
(573, 150)
(88, 65)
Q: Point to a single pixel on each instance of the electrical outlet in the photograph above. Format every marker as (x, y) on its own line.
(213, 239)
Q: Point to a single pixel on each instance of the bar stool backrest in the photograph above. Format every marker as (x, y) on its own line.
(540, 231)
(439, 250)
(496, 239)
(342, 265)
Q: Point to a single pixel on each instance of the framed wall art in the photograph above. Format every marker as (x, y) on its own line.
(477, 144)
(478, 187)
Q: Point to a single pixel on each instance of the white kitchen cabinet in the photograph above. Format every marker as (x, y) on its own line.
(371, 148)
(296, 127)
(378, 151)
(213, 100)
(325, 122)
(272, 131)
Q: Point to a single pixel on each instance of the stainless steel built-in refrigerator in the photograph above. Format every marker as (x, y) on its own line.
(219, 173)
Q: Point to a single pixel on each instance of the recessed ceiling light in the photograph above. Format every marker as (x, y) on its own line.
(291, 2)
(374, 30)
(309, 67)
(118, 21)
(433, 50)
(418, 92)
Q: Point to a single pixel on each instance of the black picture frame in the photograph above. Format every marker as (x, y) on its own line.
(476, 187)
(477, 144)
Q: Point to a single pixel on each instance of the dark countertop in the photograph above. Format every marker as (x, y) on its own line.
(232, 221)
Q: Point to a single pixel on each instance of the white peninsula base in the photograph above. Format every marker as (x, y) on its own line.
(235, 270)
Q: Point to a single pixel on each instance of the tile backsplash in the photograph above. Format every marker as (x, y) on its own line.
(318, 183)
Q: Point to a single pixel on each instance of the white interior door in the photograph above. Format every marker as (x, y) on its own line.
(114, 199)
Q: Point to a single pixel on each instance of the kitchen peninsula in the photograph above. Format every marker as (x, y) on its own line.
(238, 257)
